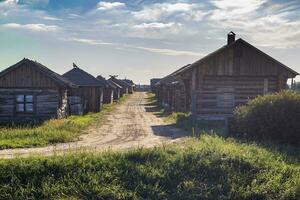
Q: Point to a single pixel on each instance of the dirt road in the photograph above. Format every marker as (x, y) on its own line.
(131, 124)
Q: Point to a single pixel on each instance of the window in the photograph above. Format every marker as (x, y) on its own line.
(225, 97)
(24, 103)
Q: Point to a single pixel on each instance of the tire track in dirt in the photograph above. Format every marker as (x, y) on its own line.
(128, 126)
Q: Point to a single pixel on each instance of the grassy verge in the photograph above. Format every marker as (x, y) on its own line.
(52, 131)
(182, 120)
(209, 167)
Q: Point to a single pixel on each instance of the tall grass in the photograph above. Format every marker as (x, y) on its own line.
(206, 168)
(51, 131)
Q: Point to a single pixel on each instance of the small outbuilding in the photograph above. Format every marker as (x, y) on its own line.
(117, 89)
(88, 96)
(31, 91)
(131, 85)
(108, 92)
(171, 92)
(125, 86)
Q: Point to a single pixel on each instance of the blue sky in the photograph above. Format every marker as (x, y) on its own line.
(142, 39)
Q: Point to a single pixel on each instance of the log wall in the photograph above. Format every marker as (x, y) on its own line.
(47, 104)
(26, 76)
(92, 98)
(220, 94)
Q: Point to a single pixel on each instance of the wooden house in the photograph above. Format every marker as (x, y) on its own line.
(88, 96)
(170, 92)
(153, 82)
(108, 92)
(117, 89)
(31, 91)
(125, 86)
(229, 77)
(131, 85)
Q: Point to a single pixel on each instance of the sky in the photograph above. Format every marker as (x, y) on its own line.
(142, 39)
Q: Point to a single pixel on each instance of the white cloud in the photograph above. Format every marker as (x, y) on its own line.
(32, 27)
(154, 25)
(109, 5)
(162, 51)
(156, 11)
(171, 52)
(263, 23)
(92, 42)
(235, 9)
(51, 18)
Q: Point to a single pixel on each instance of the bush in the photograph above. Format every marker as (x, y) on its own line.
(275, 116)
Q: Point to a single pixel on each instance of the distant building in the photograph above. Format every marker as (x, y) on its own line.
(131, 85)
(153, 81)
(88, 95)
(108, 91)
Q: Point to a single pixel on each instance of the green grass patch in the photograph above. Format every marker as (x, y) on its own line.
(182, 120)
(51, 131)
(209, 167)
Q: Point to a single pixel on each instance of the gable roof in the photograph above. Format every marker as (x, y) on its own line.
(114, 83)
(120, 82)
(130, 82)
(41, 68)
(172, 77)
(241, 41)
(82, 78)
(106, 82)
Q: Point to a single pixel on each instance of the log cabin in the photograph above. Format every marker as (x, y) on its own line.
(117, 89)
(153, 82)
(108, 92)
(171, 93)
(31, 91)
(229, 77)
(125, 86)
(88, 95)
(214, 85)
(131, 85)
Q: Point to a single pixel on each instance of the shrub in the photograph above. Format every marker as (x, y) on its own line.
(275, 116)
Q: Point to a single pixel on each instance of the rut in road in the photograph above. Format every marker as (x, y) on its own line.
(129, 125)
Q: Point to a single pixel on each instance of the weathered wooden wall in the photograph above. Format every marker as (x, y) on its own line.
(26, 76)
(47, 104)
(108, 95)
(92, 98)
(220, 94)
(117, 93)
(49, 99)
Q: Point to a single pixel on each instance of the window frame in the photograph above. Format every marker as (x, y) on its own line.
(25, 103)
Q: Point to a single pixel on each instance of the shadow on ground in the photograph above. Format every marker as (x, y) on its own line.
(169, 131)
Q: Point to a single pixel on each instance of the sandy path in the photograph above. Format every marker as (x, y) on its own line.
(129, 126)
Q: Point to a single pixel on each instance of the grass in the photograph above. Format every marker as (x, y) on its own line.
(209, 167)
(182, 119)
(51, 131)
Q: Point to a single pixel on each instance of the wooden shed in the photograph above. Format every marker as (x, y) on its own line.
(230, 76)
(117, 89)
(130, 84)
(108, 92)
(125, 86)
(171, 92)
(88, 96)
(31, 91)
